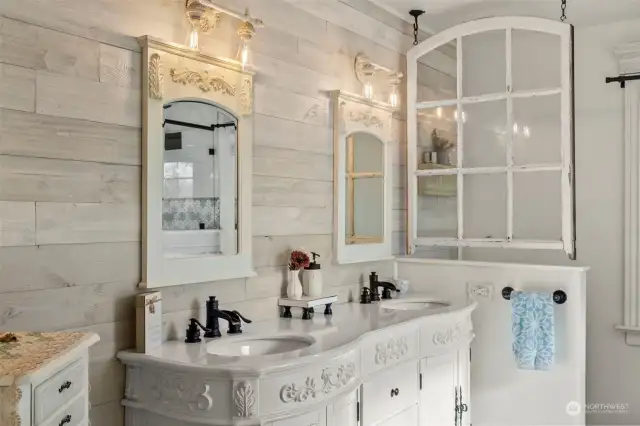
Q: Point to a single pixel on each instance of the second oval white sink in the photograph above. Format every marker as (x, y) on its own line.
(413, 304)
(260, 346)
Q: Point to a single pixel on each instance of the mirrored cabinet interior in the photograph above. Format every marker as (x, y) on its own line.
(197, 134)
(362, 178)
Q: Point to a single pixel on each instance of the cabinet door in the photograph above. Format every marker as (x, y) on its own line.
(463, 369)
(344, 412)
(438, 394)
(408, 417)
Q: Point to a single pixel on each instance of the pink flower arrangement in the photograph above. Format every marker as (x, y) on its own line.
(298, 260)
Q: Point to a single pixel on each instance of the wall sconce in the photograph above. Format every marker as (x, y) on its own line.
(203, 16)
(366, 71)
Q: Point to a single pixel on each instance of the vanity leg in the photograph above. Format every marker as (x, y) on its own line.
(327, 309)
(287, 312)
(306, 313)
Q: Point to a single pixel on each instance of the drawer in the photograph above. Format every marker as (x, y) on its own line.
(389, 392)
(59, 389)
(74, 414)
(317, 418)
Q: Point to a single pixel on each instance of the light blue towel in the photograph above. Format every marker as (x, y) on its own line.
(533, 330)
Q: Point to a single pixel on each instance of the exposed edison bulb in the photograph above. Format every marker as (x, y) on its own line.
(194, 38)
(244, 53)
(463, 116)
(526, 131)
(394, 96)
(368, 91)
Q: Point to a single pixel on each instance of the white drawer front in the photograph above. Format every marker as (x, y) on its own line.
(317, 418)
(389, 392)
(74, 414)
(393, 346)
(59, 389)
(406, 418)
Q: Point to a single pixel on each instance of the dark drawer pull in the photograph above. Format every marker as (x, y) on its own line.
(66, 385)
(65, 420)
(395, 392)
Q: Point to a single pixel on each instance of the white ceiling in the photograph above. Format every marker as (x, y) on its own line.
(442, 14)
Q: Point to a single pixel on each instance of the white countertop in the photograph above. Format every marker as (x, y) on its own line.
(332, 334)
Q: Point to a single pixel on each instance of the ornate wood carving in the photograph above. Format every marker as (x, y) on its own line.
(245, 400)
(448, 336)
(392, 350)
(366, 118)
(203, 81)
(155, 77)
(343, 376)
(178, 391)
(246, 96)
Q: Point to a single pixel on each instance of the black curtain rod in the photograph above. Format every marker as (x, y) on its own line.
(211, 128)
(622, 79)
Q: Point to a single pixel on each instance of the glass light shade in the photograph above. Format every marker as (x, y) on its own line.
(394, 96)
(244, 53)
(367, 92)
(194, 38)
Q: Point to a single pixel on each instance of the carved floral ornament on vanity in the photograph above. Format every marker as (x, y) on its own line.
(393, 350)
(300, 393)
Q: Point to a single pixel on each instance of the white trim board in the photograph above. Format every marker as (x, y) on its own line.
(629, 62)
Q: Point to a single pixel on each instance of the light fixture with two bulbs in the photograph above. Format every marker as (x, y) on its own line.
(366, 73)
(203, 16)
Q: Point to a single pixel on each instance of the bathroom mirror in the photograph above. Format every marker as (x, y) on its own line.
(200, 192)
(197, 139)
(362, 176)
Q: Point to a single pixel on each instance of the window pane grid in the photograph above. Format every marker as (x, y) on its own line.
(491, 97)
(460, 148)
(491, 170)
(510, 135)
(510, 140)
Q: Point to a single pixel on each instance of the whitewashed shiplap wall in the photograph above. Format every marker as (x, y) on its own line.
(70, 161)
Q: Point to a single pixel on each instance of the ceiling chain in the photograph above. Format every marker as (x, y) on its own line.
(416, 14)
(563, 6)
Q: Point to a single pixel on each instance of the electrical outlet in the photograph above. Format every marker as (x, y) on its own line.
(478, 291)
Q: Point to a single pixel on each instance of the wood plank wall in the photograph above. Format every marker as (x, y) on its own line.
(70, 160)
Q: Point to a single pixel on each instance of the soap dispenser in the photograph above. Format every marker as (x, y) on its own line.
(312, 278)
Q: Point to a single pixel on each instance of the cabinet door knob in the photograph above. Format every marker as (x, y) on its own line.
(66, 385)
(65, 420)
(395, 392)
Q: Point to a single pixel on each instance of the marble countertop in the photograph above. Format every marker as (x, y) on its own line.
(32, 351)
(332, 334)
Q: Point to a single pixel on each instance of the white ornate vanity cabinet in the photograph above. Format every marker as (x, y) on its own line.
(376, 364)
(44, 379)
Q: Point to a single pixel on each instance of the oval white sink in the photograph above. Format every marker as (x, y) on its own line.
(258, 346)
(413, 304)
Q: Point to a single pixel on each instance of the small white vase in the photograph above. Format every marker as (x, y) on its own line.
(294, 286)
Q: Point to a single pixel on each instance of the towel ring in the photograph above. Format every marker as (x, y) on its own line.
(559, 296)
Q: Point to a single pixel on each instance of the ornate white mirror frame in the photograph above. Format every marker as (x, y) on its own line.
(173, 72)
(356, 114)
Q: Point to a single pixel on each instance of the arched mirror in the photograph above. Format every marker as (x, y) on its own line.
(197, 140)
(199, 198)
(362, 176)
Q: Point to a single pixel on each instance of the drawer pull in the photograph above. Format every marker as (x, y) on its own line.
(395, 392)
(65, 420)
(66, 385)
